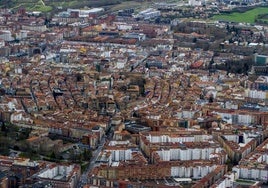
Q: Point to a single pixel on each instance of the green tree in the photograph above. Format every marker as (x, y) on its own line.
(87, 154)
(3, 127)
(4, 145)
(53, 155)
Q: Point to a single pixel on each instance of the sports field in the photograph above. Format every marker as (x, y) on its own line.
(245, 17)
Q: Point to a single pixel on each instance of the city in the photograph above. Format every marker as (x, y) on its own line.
(138, 94)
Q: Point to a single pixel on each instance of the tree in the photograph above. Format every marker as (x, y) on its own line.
(53, 155)
(74, 156)
(79, 77)
(4, 145)
(211, 63)
(228, 28)
(3, 127)
(211, 99)
(87, 154)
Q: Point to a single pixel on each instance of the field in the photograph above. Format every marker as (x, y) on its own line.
(30, 5)
(46, 6)
(128, 4)
(245, 17)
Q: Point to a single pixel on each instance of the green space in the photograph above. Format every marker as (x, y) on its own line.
(245, 181)
(46, 6)
(30, 5)
(12, 137)
(245, 17)
(128, 4)
(41, 8)
(84, 166)
(31, 155)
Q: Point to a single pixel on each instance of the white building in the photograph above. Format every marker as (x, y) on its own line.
(61, 175)
(83, 13)
(123, 26)
(22, 34)
(35, 27)
(149, 13)
(226, 181)
(195, 172)
(121, 155)
(179, 139)
(255, 94)
(188, 153)
(195, 2)
(6, 35)
(245, 119)
(2, 43)
(252, 173)
(188, 113)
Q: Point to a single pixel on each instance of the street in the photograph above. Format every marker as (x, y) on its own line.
(84, 177)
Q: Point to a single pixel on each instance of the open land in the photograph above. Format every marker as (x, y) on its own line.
(245, 17)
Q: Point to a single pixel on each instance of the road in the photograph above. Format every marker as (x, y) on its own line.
(84, 177)
(43, 3)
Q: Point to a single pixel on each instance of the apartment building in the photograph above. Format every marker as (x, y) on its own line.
(253, 166)
(65, 176)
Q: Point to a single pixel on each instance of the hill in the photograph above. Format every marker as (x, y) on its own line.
(48, 5)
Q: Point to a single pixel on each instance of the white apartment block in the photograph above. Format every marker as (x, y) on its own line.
(188, 154)
(178, 139)
(195, 172)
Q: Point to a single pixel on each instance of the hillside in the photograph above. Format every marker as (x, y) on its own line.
(48, 5)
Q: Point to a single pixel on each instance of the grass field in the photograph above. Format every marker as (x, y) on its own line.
(245, 17)
(46, 6)
(30, 5)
